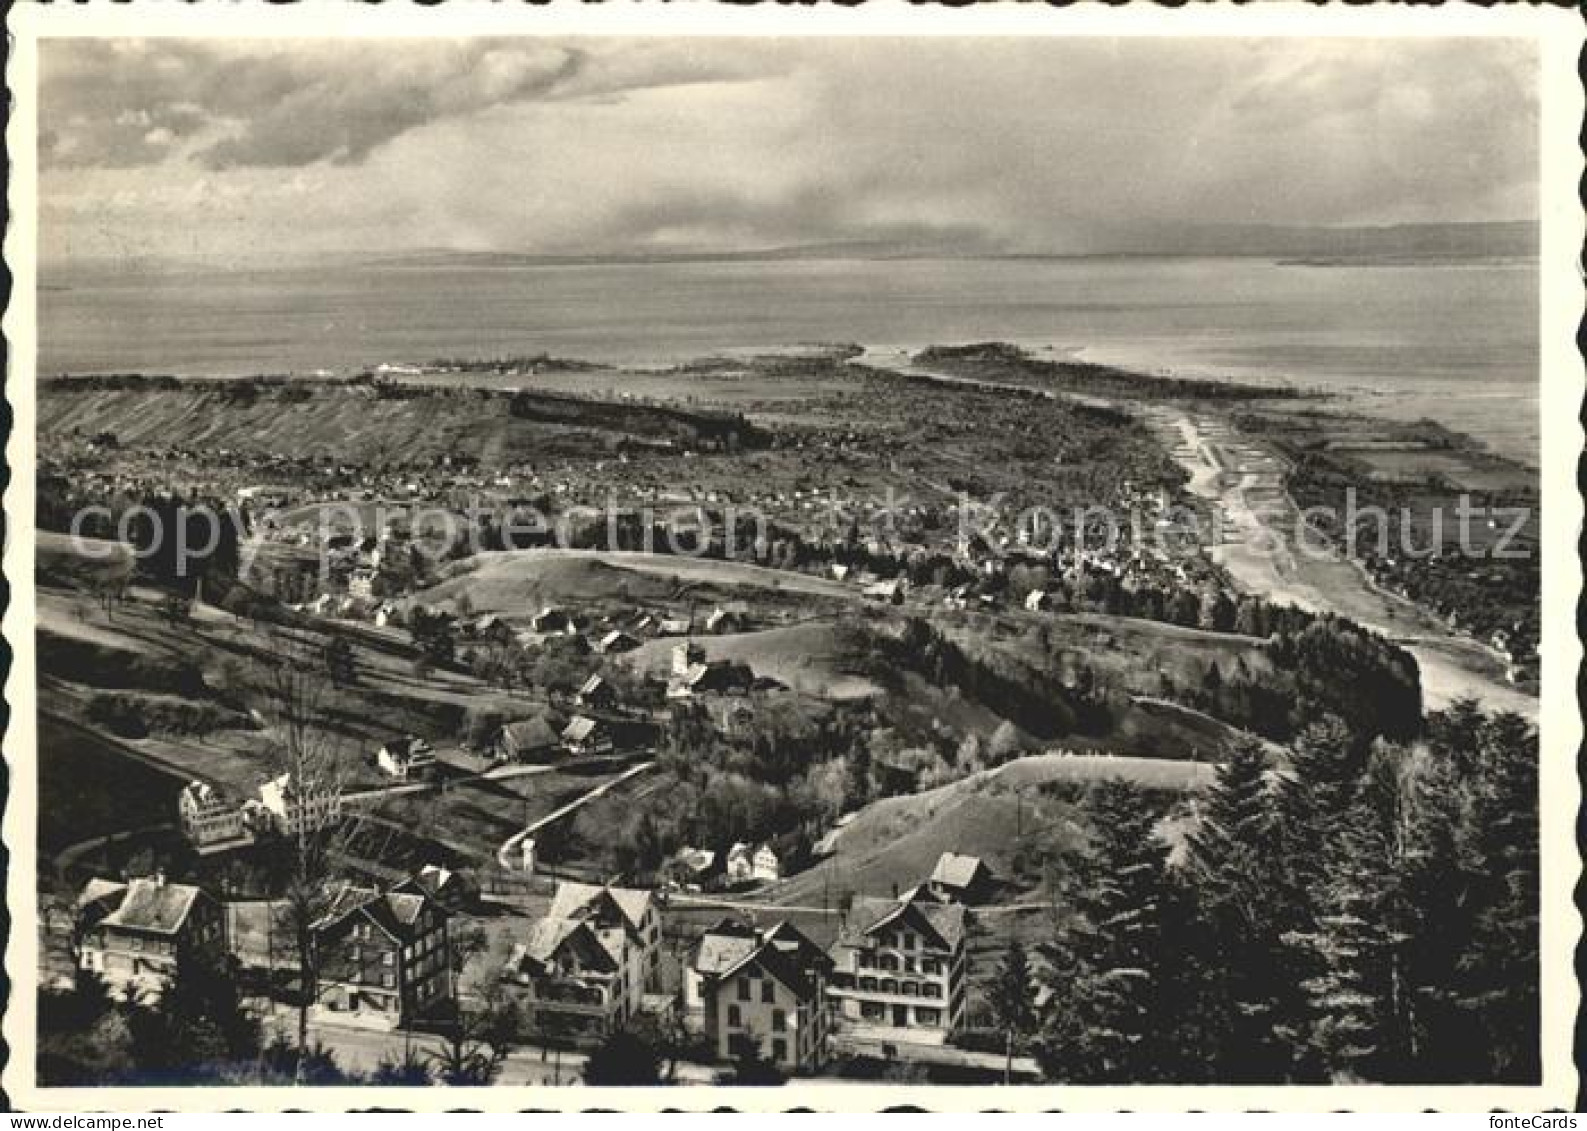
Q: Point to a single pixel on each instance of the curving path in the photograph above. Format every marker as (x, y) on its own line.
(510, 845)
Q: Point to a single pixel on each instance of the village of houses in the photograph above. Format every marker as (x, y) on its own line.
(886, 975)
(402, 938)
(895, 978)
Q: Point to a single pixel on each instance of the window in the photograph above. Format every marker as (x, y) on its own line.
(768, 991)
(734, 1017)
(779, 1050)
(743, 989)
(356, 953)
(389, 958)
(779, 1021)
(927, 1016)
(388, 980)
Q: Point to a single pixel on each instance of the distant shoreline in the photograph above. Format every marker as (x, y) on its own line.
(559, 374)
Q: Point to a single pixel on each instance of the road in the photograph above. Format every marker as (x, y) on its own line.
(510, 845)
(497, 773)
(68, 856)
(878, 1043)
(361, 1050)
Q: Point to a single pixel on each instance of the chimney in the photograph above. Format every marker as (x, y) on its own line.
(159, 878)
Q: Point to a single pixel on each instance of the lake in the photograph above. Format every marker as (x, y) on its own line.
(1454, 342)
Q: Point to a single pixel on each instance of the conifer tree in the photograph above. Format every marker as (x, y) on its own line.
(1012, 1001)
(1500, 971)
(1236, 864)
(1105, 968)
(1350, 948)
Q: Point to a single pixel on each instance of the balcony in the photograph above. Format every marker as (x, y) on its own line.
(887, 989)
(562, 993)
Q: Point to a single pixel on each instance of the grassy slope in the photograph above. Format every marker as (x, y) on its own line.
(807, 657)
(896, 841)
(89, 787)
(59, 559)
(84, 652)
(519, 582)
(1136, 653)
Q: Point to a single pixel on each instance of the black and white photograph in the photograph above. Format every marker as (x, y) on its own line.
(820, 555)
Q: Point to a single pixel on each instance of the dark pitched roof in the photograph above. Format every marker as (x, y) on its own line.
(602, 947)
(782, 951)
(531, 734)
(576, 901)
(153, 905)
(395, 912)
(716, 953)
(945, 920)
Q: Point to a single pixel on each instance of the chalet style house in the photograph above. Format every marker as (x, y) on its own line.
(761, 993)
(210, 821)
(960, 879)
(291, 809)
(383, 958)
(586, 737)
(902, 967)
(550, 620)
(406, 758)
(616, 642)
(450, 889)
(748, 863)
(569, 980)
(596, 695)
(528, 740)
(585, 966)
(135, 935)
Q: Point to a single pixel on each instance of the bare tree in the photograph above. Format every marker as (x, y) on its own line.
(295, 693)
(476, 1046)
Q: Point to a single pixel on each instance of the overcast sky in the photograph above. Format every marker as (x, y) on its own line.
(265, 148)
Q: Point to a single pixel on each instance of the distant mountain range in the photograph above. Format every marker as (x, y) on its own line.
(1494, 239)
(1398, 242)
(1410, 243)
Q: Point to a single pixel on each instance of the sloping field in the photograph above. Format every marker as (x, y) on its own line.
(1154, 728)
(353, 421)
(1137, 653)
(896, 841)
(134, 663)
(519, 582)
(807, 657)
(76, 563)
(88, 786)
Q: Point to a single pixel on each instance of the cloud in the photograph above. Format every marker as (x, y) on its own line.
(281, 104)
(595, 146)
